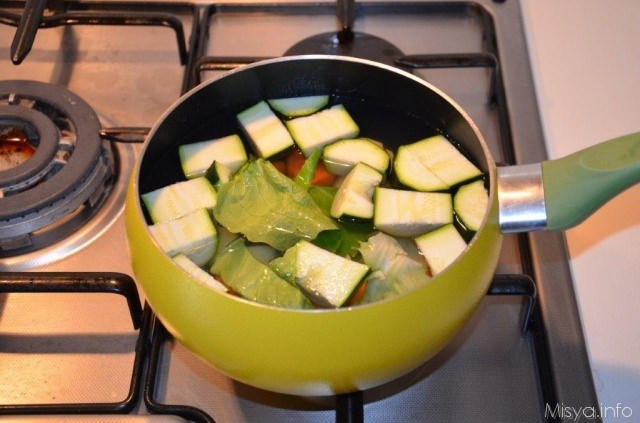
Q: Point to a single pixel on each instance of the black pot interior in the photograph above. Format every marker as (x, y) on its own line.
(388, 106)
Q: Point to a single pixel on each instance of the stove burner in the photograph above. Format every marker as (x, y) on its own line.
(348, 43)
(46, 196)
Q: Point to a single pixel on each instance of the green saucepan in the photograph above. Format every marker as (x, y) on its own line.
(326, 352)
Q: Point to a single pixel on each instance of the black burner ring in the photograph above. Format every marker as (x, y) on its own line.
(82, 162)
(355, 44)
(44, 133)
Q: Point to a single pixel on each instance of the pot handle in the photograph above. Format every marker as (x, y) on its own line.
(577, 185)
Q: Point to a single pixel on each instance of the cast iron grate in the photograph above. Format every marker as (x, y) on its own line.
(70, 282)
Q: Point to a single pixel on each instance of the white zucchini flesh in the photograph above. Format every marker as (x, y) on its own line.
(354, 197)
(410, 213)
(196, 158)
(193, 235)
(470, 203)
(412, 172)
(341, 156)
(328, 279)
(199, 274)
(266, 131)
(299, 106)
(180, 198)
(441, 247)
(442, 158)
(324, 127)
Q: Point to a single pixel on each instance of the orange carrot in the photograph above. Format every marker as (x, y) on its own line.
(281, 165)
(357, 296)
(295, 160)
(322, 176)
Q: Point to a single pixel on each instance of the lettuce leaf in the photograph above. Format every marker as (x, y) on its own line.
(305, 175)
(254, 280)
(266, 206)
(397, 267)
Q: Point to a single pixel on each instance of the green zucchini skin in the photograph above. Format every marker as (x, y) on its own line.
(291, 107)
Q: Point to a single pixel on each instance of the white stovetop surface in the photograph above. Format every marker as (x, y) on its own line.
(586, 61)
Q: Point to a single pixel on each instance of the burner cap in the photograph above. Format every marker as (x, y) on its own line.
(42, 133)
(346, 43)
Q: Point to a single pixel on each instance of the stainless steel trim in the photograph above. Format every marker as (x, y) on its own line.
(521, 196)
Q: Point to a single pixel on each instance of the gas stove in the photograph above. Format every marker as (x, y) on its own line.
(77, 337)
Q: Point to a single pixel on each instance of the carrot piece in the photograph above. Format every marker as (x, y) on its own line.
(281, 165)
(322, 176)
(295, 160)
(357, 296)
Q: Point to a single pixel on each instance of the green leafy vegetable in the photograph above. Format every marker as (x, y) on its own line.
(266, 206)
(308, 169)
(255, 281)
(346, 239)
(397, 267)
(285, 265)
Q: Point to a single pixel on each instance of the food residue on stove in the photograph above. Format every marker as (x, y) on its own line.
(14, 148)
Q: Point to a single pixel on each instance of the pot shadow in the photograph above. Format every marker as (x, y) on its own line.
(612, 218)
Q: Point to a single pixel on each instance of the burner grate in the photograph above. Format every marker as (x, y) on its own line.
(107, 283)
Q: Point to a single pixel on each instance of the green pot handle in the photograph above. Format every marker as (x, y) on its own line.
(577, 185)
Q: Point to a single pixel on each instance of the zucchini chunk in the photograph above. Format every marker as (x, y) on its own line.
(413, 173)
(180, 198)
(470, 204)
(298, 106)
(354, 199)
(339, 157)
(328, 279)
(265, 130)
(410, 213)
(218, 174)
(193, 235)
(319, 129)
(441, 247)
(195, 158)
(198, 273)
(416, 165)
